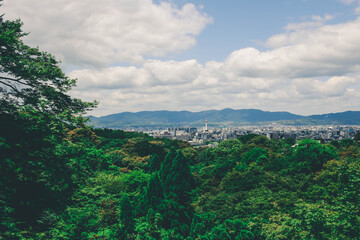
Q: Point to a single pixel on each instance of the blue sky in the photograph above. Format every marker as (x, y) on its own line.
(301, 56)
(248, 23)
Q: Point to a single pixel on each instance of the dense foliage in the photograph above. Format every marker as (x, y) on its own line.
(61, 179)
(251, 188)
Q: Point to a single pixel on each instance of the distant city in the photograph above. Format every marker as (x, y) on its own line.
(212, 136)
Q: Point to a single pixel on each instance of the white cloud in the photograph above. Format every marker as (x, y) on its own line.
(111, 78)
(357, 9)
(333, 87)
(324, 51)
(317, 21)
(347, 2)
(307, 70)
(172, 72)
(153, 73)
(102, 33)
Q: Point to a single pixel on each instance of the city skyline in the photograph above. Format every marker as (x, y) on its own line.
(203, 136)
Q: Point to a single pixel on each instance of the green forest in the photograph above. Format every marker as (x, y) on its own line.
(63, 179)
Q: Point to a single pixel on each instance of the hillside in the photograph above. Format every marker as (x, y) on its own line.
(346, 118)
(125, 185)
(223, 117)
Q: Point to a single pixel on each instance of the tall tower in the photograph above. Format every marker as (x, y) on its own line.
(206, 128)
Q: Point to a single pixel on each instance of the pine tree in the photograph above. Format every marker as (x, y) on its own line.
(167, 165)
(180, 180)
(154, 192)
(127, 214)
(177, 181)
(154, 163)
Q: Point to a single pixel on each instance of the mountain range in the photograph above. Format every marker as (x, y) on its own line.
(220, 118)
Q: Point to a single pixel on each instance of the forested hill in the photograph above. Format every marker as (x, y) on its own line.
(219, 118)
(346, 118)
(111, 184)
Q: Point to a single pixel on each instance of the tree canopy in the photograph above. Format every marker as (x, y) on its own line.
(31, 78)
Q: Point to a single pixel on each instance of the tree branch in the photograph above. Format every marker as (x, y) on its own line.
(11, 79)
(16, 80)
(12, 87)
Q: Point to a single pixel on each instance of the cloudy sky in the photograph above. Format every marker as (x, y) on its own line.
(301, 56)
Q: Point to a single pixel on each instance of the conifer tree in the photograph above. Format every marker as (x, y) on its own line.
(153, 219)
(127, 214)
(154, 192)
(180, 180)
(166, 166)
(154, 163)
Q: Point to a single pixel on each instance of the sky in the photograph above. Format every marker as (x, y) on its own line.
(300, 56)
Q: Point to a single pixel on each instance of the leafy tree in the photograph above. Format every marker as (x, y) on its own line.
(290, 141)
(29, 77)
(238, 181)
(229, 144)
(84, 136)
(175, 215)
(37, 113)
(150, 228)
(227, 151)
(190, 153)
(259, 141)
(335, 144)
(357, 137)
(135, 181)
(37, 176)
(311, 155)
(340, 180)
(346, 142)
(246, 138)
(237, 229)
(219, 233)
(327, 221)
(282, 226)
(145, 148)
(108, 214)
(256, 155)
(202, 224)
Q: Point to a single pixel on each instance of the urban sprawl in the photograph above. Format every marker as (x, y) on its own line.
(211, 136)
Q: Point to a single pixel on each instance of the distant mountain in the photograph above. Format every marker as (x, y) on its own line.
(343, 118)
(225, 117)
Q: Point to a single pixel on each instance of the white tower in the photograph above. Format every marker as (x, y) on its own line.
(206, 128)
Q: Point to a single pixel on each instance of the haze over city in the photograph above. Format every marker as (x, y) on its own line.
(132, 55)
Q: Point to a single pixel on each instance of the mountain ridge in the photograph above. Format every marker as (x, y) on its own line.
(224, 117)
